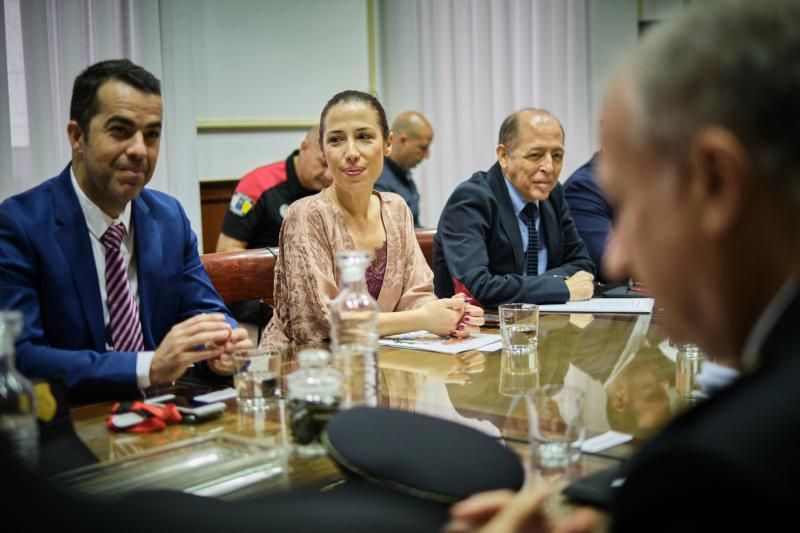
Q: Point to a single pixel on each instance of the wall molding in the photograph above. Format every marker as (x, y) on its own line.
(222, 125)
(237, 125)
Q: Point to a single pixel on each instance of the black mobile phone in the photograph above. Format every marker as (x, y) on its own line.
(196, 415)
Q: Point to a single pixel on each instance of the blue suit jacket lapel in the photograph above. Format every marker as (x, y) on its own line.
(506, 214)
(149, 263)
(72, 235)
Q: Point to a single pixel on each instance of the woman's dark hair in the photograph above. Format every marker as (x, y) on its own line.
(354, 96)
(84, 103)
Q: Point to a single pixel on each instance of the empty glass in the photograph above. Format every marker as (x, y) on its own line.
(555, 426)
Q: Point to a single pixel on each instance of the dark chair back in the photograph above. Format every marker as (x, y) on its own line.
(425, 238)
(242, 275)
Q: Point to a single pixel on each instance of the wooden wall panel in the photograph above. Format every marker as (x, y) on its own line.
(214, 199)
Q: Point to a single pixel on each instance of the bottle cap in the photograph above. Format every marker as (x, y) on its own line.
(353, 264)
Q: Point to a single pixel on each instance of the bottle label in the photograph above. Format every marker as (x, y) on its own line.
(46, 404)
(308, 419)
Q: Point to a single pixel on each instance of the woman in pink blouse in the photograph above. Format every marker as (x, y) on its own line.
(351, 215)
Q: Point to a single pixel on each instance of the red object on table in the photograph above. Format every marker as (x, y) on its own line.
(459, 287)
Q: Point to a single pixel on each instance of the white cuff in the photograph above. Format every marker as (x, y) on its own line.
(143, 360)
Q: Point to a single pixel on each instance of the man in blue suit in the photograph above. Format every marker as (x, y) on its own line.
(591, 210)
(105, 272)
(506, 233)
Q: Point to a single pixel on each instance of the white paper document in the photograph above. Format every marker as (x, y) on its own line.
(422, 340)
(492, 347)
(602, 305)
(606, 440)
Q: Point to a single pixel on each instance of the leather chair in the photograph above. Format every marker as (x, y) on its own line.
(250, 274)
(242, 275)
(425, 238)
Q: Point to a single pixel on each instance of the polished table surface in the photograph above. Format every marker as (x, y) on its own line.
(623, 362)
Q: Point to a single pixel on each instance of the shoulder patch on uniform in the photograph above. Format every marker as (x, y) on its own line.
(241, 204)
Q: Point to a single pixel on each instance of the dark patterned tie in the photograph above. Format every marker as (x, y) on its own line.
(123, 314)
(532, 253)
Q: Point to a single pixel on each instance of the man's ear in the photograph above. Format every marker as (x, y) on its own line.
(502, 156)
(75, 136)
(720, 171)
(304, 145)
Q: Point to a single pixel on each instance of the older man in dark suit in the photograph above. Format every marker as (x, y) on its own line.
(507, 234)
(700, 138)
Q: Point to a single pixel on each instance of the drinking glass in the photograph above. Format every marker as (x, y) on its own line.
(256, 374)
(555, 426)
(519, 327)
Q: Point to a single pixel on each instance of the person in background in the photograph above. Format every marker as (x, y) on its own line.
(591, 211)
(506, 233)
(350, 215)
(700, 158)
(106, 272)
(263, 196)
(257, 208)
(413, 135)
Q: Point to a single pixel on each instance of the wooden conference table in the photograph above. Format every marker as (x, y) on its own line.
(630, 386)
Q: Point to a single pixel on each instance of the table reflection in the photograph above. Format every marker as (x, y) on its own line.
(628, 379)
(625, 365)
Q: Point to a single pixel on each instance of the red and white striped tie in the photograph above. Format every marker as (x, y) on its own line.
(123, 314)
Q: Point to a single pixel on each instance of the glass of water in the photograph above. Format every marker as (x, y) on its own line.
(519, 328)
(555, 426)
(256, 378)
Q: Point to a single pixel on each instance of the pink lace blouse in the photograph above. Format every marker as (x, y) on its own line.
(306, 277)
(376, 270)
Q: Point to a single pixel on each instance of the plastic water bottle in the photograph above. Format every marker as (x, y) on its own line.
(354, 331)
(17, 405)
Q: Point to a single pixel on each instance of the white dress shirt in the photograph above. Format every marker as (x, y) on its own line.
(519, 208)
(98, 222)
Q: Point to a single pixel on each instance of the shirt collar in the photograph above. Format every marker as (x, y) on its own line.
(517, 202)
(97, 220)
(751, 356)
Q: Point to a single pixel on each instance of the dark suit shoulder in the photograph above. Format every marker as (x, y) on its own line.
(757, 402)
(740, 445)
(33, 195)
(33, 205)
(578, 182)
(474, 198)
(582, 175)
(475, 188)
(581, 190)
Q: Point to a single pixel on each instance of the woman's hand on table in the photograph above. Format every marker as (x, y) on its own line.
(441, 316)
(471, 320)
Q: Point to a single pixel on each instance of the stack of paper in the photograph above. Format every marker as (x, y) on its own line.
(423, 340)
(602, 305)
